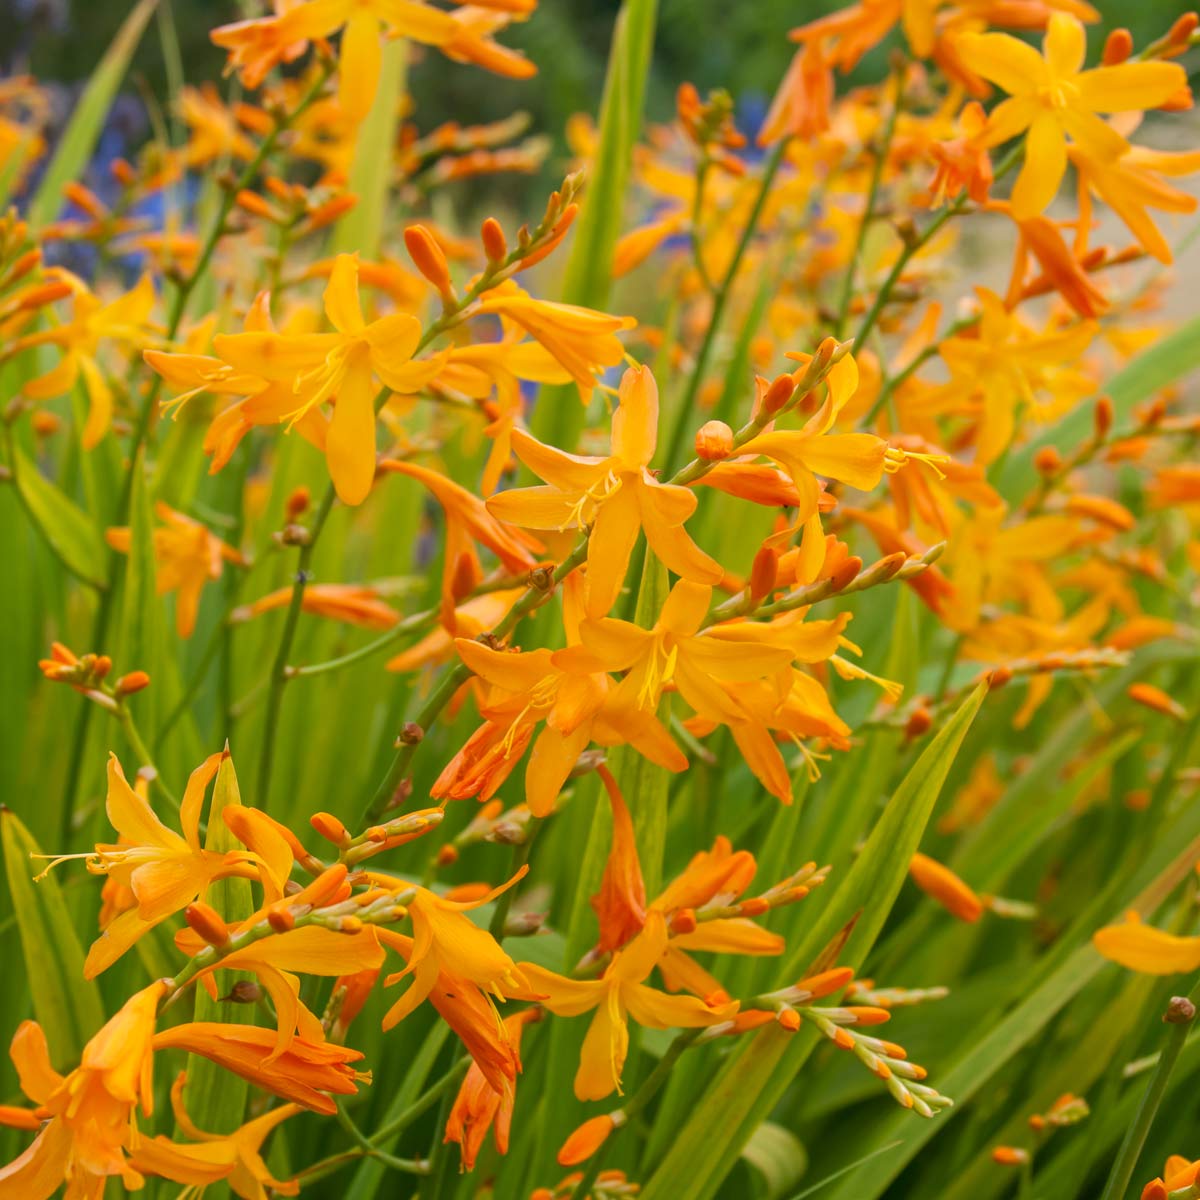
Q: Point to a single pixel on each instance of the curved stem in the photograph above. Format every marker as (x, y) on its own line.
(279, 669)
(720, 300)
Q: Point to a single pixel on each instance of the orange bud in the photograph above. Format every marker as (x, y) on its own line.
(942, 885)
(999, 678)
(778, 394)
(919, 723)
(714, 441)
(868, 1014)
(1037, 1122)
(586, 1140)
(556, 235)
(465, 578)
(350, 924)
(754, 907)
(133, 682)
(427, 256)
(123, 173)
(846, 572)
(1102, 418)
(207, 922)
(447, 856)
(763, 573)
(1154, 698)
(1118, 47)
(330, 828)
(1102, 509)
(45, 423)
(1048, 460)
(684, 921)
(24, 264)
(789, 1019)
(252, 202)
(332, 210)
(84, 198)
(1183, 29)
(1010, 1156)
(297, 502)
(281, 920)
(826, 983)
(495, 244)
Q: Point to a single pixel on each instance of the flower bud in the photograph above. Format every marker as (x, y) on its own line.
(919, 723)
(684, 921)
(789, 1019)
(714, 441)
(1117, 48)
(1102, 418)
(586, 1140)
(763, 573)
(495, 244)
(252, 202)
(330, 828)
(132, 682)
(207, 922)
(1147, 695)
(778, 394)
(447, 855)
(281, 920)
(45, 423)
(427, 257)
(1010, 1156)
(1047, 460)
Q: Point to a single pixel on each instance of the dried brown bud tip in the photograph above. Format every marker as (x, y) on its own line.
(1180, 1011)
(412, 734)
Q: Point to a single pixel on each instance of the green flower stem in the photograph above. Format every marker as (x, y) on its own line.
(1179, 1016)
(675, 444)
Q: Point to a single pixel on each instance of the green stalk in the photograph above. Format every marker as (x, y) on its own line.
(675, 443)
(279, 669)
(1180, 1014)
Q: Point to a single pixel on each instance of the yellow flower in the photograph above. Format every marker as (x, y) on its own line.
(340, 366)
(619, 994)
(126, 319)
(617, 496)
(186, 556)
(1051, 98)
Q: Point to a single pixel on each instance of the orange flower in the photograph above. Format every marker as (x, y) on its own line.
(164, 870)
(303, 1074)
(617, 496)
(619, 994)
(446, 941)
(90, 1110)
(342, 364)
(468, 522)
(356, 604)
(480, 1105)
(186, 556)
(1146, 949)
(247, 1175)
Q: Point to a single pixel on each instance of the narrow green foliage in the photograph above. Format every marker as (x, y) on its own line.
(65, 1004)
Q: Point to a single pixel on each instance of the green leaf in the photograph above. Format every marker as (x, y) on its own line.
(216, 1099)
(143, 642)
(361, 229)
(558, 417)
(755, 1075)
(83, 130)
(777, 1155)
(68, 530)
(66, 1005)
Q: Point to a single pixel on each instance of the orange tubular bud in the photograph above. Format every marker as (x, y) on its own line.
(133, 682)
(1147, 695)
(45, 423)
(868, 1014)
(495, 244)
(846, 573)
(789, 1019)
(1183, 29)
(447, 856)
(207, 922)
(281, 920)
(123, 173)
(332, 210)
(826, 983)
(1010, 1156)
(714, 441)
(1118, 47)
(1102, 418)
(557, 234)
(941, 884)
(684, 921)
(1102, 509)
(23, 265)
(252, 202)
(586, 1140)
(1000, 677)
(297, 502)
(427, 257)
(754, 907)
(330, 828)
(764, 573)
(778, 394)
